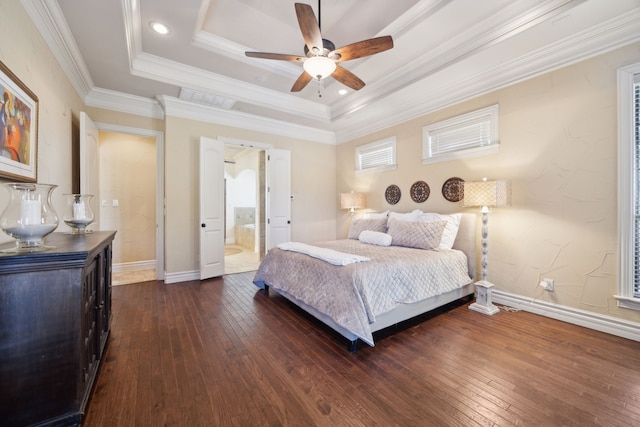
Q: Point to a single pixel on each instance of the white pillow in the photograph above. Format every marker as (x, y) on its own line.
(450, 230)
(375, 238)
(410, 217)
(376, 215)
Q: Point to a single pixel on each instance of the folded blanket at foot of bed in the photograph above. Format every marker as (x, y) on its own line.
(329, 255)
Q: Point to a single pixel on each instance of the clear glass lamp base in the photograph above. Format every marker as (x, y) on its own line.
(78, 226)
(26, 246)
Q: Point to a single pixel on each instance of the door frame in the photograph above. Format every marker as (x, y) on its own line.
(160, 197)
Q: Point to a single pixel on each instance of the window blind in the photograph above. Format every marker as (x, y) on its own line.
(376, 155)
(636, 202)
(456, 138)
(468, 135)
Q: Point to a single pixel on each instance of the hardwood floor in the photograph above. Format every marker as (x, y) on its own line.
(223, 353)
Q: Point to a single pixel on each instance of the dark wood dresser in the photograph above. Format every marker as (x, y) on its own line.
(55, 317)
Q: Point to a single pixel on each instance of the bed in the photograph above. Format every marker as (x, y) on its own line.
(384, 286)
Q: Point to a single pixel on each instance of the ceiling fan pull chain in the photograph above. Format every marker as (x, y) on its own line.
(319, 93)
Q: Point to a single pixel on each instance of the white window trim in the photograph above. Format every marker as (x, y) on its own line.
(392, 142)
(626, 187)
(493, 147)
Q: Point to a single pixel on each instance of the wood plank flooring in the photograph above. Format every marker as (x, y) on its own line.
(223, 353)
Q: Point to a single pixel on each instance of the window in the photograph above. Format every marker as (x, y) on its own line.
(376, 156)
(629, 187)
(470, 135)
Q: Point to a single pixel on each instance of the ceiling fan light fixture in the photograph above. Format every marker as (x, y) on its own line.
(319, 67)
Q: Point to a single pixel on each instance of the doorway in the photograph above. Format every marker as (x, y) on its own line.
(245, 207)
(125, 206)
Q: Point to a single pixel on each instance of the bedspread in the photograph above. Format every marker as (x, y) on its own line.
(354, 294)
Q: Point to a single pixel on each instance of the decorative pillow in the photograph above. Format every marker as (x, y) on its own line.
(376, 215)
(421, 235)
(375, 238)
(360, 225)
(408, 217)
(450, 230)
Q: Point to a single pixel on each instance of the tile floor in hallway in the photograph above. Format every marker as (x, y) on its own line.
(237, 260)
(138, 276)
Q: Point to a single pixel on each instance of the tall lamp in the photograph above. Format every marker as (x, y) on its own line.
(352, 201)
(486, 194)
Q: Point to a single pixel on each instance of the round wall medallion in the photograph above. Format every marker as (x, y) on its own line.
(392, 194)
(420, 191)
(453, 189)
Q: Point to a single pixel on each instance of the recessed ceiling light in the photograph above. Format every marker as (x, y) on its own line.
(342, 91)
(159, 28)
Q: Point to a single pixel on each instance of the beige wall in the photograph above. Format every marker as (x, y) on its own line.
(128, 174)
(26, 54)
(313, 175)
(558, 146)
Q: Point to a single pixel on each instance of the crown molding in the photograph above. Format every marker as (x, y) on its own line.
(478, 38)
(124, 103)
(187, 110)
(132, 28)
(607, 36)
(150, 66)
(160, 69)
(236, 51)
(50, 22)
(419, 12)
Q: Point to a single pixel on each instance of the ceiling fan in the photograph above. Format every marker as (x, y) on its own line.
(321, 56)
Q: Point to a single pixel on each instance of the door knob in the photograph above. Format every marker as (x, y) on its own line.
(203, 225)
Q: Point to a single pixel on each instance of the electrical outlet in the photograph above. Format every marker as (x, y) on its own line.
(548, 284)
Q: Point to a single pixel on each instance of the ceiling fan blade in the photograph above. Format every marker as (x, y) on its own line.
(302, 81)
(278, 56)
(362, 48)
(347, 78)
(310, 28)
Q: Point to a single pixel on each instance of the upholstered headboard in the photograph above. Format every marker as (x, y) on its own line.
(466, 241)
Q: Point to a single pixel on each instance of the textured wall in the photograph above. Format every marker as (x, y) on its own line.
(26, 54)
(558, 135)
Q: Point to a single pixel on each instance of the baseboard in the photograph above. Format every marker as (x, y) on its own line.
(124, 267)
(183, 276)
(598, 322)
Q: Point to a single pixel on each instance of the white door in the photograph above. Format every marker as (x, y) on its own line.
(211, 208)
(278, 197)
(90, 164)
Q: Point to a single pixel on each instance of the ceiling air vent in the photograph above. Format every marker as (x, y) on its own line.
(204, 98)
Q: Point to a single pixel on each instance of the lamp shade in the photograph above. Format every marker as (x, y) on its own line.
(352, 200)
(319, 67)
(494, 193)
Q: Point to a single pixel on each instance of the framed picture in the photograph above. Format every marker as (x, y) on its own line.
(18, 129)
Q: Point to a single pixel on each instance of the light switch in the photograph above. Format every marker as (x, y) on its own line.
(116, 203)
(104, 203)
